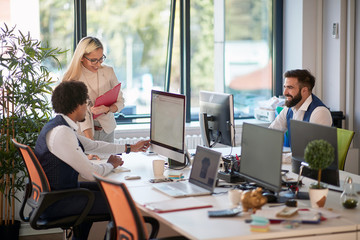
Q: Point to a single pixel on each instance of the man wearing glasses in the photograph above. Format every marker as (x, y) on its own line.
(86, 66)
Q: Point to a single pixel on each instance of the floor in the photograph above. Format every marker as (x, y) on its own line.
(54, 236)
(97, 232)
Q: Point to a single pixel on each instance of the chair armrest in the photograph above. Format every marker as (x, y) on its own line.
(49, 198)
(154, 226)
(27, 194)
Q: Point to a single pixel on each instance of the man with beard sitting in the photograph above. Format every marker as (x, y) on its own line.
(300, 103)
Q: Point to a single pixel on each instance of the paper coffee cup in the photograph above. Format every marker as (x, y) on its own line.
(234, 196)
(158, 168)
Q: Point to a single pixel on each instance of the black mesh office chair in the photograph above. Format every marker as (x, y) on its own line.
(39, 197)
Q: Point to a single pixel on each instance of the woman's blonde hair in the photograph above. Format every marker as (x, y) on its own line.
(84, 47)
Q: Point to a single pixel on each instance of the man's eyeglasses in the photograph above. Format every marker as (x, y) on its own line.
(94, 61)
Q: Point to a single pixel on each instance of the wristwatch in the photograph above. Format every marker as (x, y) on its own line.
(128, 148)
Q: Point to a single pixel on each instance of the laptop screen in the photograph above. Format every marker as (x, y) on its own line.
(301, 134)
(205, 168)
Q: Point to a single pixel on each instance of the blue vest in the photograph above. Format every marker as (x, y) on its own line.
(316, 102)
(59, 174)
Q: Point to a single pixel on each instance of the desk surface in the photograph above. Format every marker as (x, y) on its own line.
(195, 224)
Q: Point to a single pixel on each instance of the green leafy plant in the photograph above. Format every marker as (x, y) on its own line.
(25, 87)
(319, 154)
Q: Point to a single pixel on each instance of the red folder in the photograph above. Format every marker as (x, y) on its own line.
(108, 98)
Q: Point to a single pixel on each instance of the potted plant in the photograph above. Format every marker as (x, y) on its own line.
(319, 154)
(25, 84)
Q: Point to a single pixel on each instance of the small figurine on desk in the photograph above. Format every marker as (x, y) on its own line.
(253, 199)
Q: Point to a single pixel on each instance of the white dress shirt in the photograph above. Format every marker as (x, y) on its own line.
(62, 141)
(320, 115)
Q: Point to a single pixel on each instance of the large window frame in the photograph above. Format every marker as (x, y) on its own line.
(185, 45)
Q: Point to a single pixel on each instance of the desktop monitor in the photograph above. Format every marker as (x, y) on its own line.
(301, 134)
(216, 117)
(261, 156)
(167, 126)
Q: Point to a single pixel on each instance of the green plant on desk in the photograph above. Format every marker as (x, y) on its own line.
(319, 154)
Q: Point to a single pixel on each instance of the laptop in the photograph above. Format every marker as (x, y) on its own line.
(202, 179)
(301, 134)
(341, 188)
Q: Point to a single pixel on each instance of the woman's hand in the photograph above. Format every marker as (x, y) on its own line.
(100, 110)
(140, 146)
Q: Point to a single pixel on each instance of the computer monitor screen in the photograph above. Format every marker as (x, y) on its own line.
(167, 125)
(261, 156)
(216, 118)
(301, 134)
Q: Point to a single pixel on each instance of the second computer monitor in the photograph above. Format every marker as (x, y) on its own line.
(261, 156)
(301, 134)
(216, 117)
(167, 126)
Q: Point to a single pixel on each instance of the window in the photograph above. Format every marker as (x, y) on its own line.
(50, 21)
(248, 53)
(234, 56)
(135, 36)
(202, 51)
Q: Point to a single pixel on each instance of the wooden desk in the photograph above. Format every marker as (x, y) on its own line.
(195, 224)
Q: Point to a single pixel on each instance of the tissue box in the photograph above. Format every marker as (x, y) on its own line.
(264, 114)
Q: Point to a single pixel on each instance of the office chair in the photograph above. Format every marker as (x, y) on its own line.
(344, 138)
(126, 217)
(337, 117)
(127, 220)
(286, 134)
(39, 197)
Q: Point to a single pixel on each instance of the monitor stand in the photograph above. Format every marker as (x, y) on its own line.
(173, 164)
(296, 194)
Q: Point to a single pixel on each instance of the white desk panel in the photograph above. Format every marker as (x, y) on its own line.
(195, 224)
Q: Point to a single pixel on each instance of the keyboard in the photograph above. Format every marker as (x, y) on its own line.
(181, 189)
(246, 186)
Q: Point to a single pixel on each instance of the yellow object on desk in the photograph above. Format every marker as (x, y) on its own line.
(287, 212)
(175, 175)
(259, 224)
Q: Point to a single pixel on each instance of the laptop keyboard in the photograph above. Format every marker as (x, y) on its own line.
(179, 188)
(185, 187)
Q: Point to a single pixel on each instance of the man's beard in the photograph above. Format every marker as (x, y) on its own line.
(295, 100)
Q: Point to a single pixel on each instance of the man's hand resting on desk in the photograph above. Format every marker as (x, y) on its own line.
(115, 161)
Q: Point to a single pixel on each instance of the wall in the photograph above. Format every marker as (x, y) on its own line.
(357, 77)
(328, 58)
(302, 38)
(292, 34)
(333, 54)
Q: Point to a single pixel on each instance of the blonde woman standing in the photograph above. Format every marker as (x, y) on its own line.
(86, 66)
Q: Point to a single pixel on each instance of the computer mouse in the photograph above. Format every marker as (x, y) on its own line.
(271, 198)
(132, 177)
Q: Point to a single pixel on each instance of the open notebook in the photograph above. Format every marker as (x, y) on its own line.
(202, 176)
